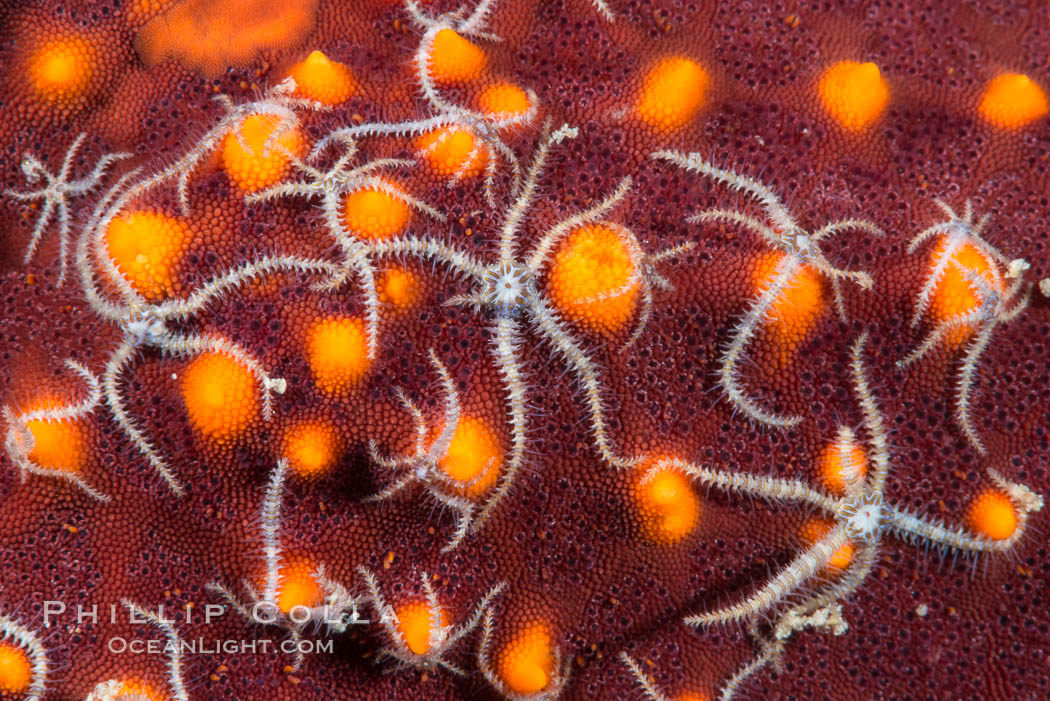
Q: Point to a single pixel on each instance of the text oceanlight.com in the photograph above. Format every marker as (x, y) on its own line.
(201, 646)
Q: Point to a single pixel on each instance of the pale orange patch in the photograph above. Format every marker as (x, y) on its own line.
(526, 662)
(140, 691)
(667, 505)
(311, 447)
(992, 515)
(795, 312)
(817, 528)
(954, 295)
(256, 154)
(451, 150)
(298, 586)
(337, 349)
(854, 94)
(454, 59)
(836, 468)
(147, 247)
(672, 93)
(400, 288)
(375, 214)
(590, 279)
(321, 79)
(504, 100)
(1013, 100)
(63, 70)
(220, 396)
(415, 621)
(473, 454)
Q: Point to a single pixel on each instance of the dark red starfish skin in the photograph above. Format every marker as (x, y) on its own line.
(566, 540)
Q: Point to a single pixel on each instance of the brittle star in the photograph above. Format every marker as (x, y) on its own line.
(861, 516)
(56, 192)
(996, 301)
(508, 288)
(799, 247)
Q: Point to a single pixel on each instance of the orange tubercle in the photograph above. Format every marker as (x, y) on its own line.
(526, 662)
(415, 621)
(15, 670)
(375, 214)
(795, 312)
(1013, 100)
(312, 448)
(452, 150)
(256, 154)
(590, 279)
(992, 515)
(298, 586)
(504, 100)
(667, 504)
(672, 93)
(815, 529)
(220, 396)
(473, 454)
(839, 465)
(854, 94)
(454, 59)
(319, 78)
(57, 444)
(399, 288)
(139, 690)
(337, 349)
(63, 71)
(147, 247)
(954, 295)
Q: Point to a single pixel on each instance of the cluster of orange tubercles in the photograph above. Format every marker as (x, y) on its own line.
(814, 530)
(526, 663)
(672, 94)
(853, 94)
(473, 458)
(992, 515)
(795, 312)
(57, 444)
(258, 152)
(954, 294)
(453, 152)
(298, 587)
(842, 464)
(337, 349)
(322, 80)
(668, 507)
(400, 288)
(220, 396)
(1012, 101)
(312, 447)
(64, 71)
(147, 248)
(15, 670)
(375, 213)
(454, 59)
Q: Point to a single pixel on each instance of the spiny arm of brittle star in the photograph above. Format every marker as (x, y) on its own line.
(790, 578)
(517, 210)
(538, 258)
(964, 386)
(580, 363)
(219, 286)
(431, 249)
(396, 129)
(742, 483)
(728, 373)
(767, 654)
(644, 681)
(480, 608)
(191, 345)
(935, 335)
(940, 264)
(843, 586)
(270, 517)
(114, 369)
(452, 407)
(173, 648)
(358, 260)
(872, 418)
(918, 530)
(30, 642)
(775, 210)
(730, 216)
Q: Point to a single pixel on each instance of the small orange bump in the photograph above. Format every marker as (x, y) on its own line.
(147, 247)
(139, 691)
(415, 621)
(15, 670)
(400, 288)
(473, 456)
(854, 94)
(450, 151)
(256, 154)
(321, 79)
(57, 445)
(504, 100)
(338, 353)
(311, 447)
(591, 279)
(220, 396)
(298, 586)
(672, 93)
(453, 59)
(375, 214)
(63, 70)
(992, 515)
(840, 465)
(954, 295)
(668, 505)
(817, 528)
(1013, 100)
(794, 313)
(526, 662)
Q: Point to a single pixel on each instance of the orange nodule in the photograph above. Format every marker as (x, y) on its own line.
(672, 93)
(139, 691)
(256, 154)
(450, 151)
(399, 287)
(817, 528)
(415, 621)
(338, 353)
(1013, 100)
(992, 515)
(853, 93)
(62, 70)
(311, 447)
(473, 456)
(15, 670)
(220, 396)
(794, 313)
(503, 100)
(954, 295)
(375, 214)
(57, 444)
(298, 586)
(591, 279)
(147, 247)
(841, 464)
(453, 59)
(526, 662)
(668, 506)
(319, 78)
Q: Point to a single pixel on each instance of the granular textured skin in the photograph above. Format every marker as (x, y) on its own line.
(566, 548)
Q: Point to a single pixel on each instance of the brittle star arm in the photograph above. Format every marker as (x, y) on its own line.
(118, 360)
(937, 333)
(728, 374)
(579, 361)
(873, 423)
(30, 642)
(788, 580)
(730, 216)
(768, 488)
(174, 648)
(270, 516)
(431, 249)
(964, 386)
(954, 239)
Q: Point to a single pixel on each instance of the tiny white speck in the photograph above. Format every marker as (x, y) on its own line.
(921, 610)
